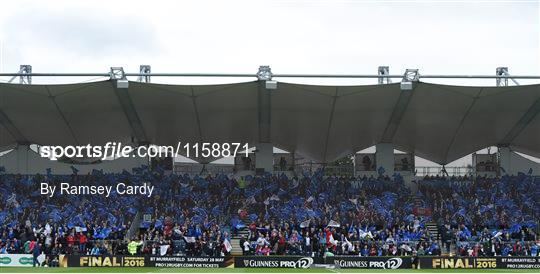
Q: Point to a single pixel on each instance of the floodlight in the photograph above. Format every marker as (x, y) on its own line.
(270, 84)
(122, 83)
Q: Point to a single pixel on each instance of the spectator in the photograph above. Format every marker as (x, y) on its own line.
(133, 247)
(36, 251)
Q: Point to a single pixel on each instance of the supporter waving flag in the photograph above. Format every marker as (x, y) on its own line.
(330, 241)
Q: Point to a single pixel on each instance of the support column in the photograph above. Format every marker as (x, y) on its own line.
(384, 156)
(22, 158)
(121, 89)
(505, 155)
(264, 157)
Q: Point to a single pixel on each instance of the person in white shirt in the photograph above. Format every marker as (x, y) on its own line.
(246, 248)
(261, 241)
(307, 244)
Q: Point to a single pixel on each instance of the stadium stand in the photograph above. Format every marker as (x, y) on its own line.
(294, 205)
(312, 215)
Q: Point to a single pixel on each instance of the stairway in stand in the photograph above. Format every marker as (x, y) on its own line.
(431, 226)
(235, 240)
(434, 231)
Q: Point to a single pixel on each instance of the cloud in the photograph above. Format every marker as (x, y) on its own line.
(72, 31)
(290, 36)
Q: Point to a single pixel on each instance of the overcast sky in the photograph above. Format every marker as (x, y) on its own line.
(437, 37)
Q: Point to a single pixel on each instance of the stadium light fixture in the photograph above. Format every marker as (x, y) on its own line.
(271, 84)
(25, 75)
(410, 76)
(383, 71)
(264, 73)
(502, 77)
(118, 74)
(123, 83)
(406, 85)
(144, 71)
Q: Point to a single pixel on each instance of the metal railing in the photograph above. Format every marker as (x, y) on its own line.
(254, 75)
(341, 170)
(196, 168)
(422, 171)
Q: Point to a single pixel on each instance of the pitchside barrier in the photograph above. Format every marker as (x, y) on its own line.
(297, 262)
(145, 261)
(334, 261)
(277, 261)
(372, 262)
(480, 262)
(16, 260)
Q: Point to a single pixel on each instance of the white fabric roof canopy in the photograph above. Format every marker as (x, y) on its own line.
(438, 122)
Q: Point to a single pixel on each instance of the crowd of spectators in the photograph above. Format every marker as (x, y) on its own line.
(312, 215)
(485, 216)
(62, 224)
(198, 215)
